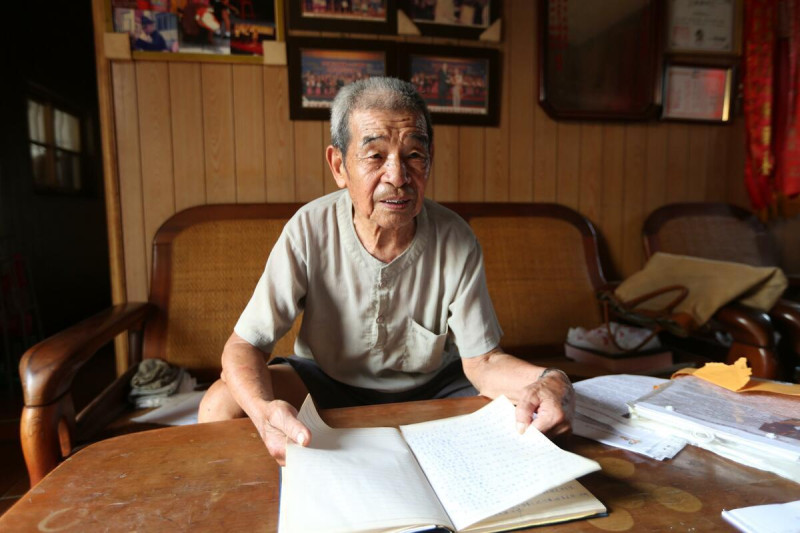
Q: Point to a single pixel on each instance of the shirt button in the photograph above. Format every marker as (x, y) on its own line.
(379, 320)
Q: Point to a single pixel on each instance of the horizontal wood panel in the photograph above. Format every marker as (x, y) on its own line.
(191, 133)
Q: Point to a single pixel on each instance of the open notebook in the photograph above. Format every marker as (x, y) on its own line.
(467, 473)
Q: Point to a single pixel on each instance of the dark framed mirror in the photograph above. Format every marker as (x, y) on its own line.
(600, 60)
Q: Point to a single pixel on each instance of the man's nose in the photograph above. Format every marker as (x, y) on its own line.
(395, 172)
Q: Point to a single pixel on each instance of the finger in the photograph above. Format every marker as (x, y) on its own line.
(524, 413)
(550, 418)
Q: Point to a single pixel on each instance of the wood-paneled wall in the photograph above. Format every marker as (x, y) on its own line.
(200, 133)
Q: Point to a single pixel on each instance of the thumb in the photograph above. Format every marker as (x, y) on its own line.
(285, 419)
(298, 432)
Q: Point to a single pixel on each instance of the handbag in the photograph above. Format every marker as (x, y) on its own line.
(658, 319)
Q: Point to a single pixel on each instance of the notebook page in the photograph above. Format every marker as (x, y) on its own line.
(480, 466)
(353, 480)
(565, 502)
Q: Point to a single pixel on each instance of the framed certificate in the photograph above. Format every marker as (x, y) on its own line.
(697, 93)
(704, 27)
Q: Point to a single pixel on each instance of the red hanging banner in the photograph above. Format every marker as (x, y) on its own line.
(759, 39)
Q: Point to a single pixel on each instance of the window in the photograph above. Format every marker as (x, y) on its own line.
(56, 147)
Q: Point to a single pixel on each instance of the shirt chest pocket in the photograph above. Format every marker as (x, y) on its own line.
(424, 349)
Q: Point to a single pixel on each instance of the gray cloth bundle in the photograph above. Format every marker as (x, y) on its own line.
(155, 380)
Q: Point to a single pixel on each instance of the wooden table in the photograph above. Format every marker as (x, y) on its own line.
(219, 477)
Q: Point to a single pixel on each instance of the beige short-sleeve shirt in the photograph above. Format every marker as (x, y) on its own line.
(387, 327)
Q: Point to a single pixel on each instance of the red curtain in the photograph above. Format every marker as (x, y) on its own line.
(787, 110)
(771, 86)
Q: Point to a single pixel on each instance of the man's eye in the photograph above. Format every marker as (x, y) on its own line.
(374, 156)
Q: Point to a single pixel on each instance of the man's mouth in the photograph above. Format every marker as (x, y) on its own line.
(397, 201)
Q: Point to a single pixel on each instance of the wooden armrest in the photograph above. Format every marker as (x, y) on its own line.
(746, 325)
(753, 338)
(786, 317)
(48, 368)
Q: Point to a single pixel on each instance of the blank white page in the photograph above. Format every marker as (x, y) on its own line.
(353, 480)
(480, 466)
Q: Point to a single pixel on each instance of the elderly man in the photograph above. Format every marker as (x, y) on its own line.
(391, 286)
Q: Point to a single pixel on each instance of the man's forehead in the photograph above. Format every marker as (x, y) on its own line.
(366, 124)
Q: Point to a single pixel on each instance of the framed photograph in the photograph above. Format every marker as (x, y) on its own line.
(600, 60)
(458, 19)
(318, 68)
(252, 23)
(460, 85)
(200, 29)
(698, 93)
(347, 16)
(707, 27)
(149, 31)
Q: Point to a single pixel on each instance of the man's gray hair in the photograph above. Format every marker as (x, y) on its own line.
(390, 94)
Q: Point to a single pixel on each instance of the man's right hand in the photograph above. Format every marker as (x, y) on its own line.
(278, 424)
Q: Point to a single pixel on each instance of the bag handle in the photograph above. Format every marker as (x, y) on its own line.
(682, 291)
(653, 316)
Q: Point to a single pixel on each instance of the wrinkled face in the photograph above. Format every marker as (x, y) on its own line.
(387, 166)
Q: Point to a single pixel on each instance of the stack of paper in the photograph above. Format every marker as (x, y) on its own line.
(759, 430)
(602, 414)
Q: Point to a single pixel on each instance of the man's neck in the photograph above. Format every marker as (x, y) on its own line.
(385, 245)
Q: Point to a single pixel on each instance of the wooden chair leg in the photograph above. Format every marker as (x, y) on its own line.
(46, 436)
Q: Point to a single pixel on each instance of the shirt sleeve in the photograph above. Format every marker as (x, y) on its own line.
(472, 319)
(278, 297)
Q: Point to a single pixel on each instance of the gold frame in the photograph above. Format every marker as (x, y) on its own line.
(727, 104)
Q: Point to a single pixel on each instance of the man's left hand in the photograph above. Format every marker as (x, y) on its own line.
(549, 402)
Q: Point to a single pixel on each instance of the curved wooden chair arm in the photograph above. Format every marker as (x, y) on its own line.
(48, 368)
(48, 423)
(752, 333)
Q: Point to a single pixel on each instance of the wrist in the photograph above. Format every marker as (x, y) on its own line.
(552, 371)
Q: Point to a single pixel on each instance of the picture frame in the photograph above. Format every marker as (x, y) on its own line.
(318, 67)
(698, 93)
(711, 27)
(376, 16)
(600, 60)
(237, 32)
(460, 85)
(445, 18)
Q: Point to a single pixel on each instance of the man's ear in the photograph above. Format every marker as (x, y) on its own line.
(335, 161)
